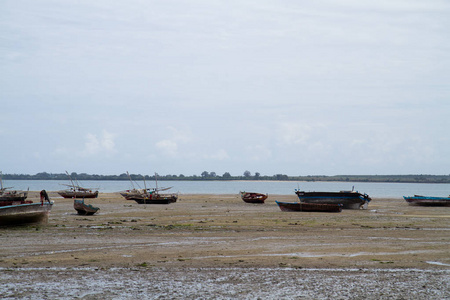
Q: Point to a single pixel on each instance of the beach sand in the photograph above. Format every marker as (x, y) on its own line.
(217, 246)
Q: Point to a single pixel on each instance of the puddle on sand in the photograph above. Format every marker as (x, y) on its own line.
(437, 263)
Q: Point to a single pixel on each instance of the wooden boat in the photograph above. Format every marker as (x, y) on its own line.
(253, 197)
(76, 191)
(153, 197)
(83, 208)
(349, 199)
(149, 195)
(309, 207)
(9, 197)
(427, 201)
(26, 212)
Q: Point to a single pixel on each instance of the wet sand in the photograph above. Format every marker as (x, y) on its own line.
(217, 246)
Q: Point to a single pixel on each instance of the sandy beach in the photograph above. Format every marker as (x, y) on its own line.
(217, 246)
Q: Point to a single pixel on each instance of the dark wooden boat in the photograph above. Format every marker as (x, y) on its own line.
(8, 197)
(153, 197)
(26, 212)
(309, 207)
(149, 195)
(418, 200)
(349, 199)
(253, 197)
(83, 208)
(76, 191)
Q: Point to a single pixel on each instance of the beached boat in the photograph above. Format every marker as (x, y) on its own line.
(26, 212)
(253, 197)
(76, 191)
(134, 192)
(349, 199)
(149, 195)
(83, 208)
(309, 207)
(427, 201)
(9, 197)
(153, 197)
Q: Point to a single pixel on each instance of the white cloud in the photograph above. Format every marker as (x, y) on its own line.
(95, 145)
(169, 146)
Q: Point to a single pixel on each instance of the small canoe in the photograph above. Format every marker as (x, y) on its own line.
(309, 207)
(427, 201)
(83, 208)
(253, 197)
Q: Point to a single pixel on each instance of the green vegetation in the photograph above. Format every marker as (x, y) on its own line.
(205, 175)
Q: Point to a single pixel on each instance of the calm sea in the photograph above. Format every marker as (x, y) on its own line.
(375, 190)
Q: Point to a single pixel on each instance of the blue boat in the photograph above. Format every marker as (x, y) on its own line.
(83, 208)
(427, 201)
(348, 199)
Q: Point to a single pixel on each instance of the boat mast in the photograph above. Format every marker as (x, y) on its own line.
(156, 181)
(73, 185)
(132, 184)
(145, 185)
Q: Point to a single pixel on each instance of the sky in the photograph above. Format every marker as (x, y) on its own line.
(181, 87)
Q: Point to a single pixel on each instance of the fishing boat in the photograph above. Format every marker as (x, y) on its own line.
(149, 195)
(26, 211)
(8, 196)
(309, 207)
(418, 200)
(153, 197)
(76, 191)
(253, 197)
(349, 199)
(134, 192)
(83, 208)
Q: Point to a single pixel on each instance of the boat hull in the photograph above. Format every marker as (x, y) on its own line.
(309, 207)
(83, 208)
(13, 196)
(253, 197)
(349, 200)
(427, 201)
(78, 194)
(153, 199)
(25, 213)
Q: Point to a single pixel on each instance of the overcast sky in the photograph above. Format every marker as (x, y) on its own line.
(181, 87)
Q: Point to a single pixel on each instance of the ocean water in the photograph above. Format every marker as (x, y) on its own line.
(375, 190)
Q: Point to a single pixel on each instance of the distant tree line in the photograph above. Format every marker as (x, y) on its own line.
(247, 175)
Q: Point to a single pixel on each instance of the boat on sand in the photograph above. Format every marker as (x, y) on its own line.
(253, 197)
(149, 195)
(26, 212)
(76, 191)
(427, 200)
(8, 196)
(83, 208)
(349, 199)
(309, 207)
